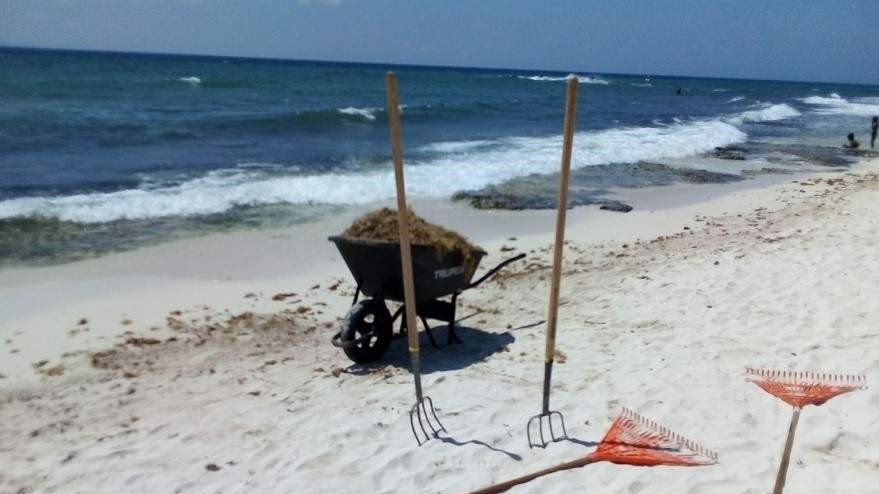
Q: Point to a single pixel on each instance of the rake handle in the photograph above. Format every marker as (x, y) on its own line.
(785, 457)
(505, 486)
(405, 244)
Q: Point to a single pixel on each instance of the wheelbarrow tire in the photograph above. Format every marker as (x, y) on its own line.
(370, 319)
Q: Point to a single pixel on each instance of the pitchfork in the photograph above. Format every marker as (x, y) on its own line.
(423, 409)
(545, 418)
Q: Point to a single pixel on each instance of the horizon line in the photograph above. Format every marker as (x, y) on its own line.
(412, 65)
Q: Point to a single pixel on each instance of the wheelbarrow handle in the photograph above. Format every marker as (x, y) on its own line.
(494, 270)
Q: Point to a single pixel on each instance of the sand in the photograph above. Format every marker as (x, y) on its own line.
(215, 384)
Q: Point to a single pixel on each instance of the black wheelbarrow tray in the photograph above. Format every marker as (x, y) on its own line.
(367, 329)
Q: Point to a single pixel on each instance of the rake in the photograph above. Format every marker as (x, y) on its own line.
(631, 440)
(799, 389)
(544, 419)
(422, 411)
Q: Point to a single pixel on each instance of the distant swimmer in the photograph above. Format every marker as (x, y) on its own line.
(852, 143)
(873, 128)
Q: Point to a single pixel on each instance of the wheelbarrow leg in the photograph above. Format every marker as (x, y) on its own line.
(394, 318)
(404, 329)
(453, 338)
(356, 292)
(429, 334)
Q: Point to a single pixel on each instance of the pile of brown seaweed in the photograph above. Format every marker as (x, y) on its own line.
(383, 225)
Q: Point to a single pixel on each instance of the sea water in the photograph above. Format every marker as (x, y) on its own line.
(107, 151)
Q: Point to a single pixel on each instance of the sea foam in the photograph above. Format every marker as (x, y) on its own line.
(367, 113)
(767, 113)
(834, 104)
(191, 80)
(455, 146)
(442, 176)
(582, 79)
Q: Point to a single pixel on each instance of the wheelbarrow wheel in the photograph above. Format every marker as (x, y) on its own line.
(369, 321)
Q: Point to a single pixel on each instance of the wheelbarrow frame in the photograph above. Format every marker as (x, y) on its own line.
(449, 280)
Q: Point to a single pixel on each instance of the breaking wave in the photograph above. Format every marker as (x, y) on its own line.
(503, 159)
(768, 113)
(582, 79)
(191, 80)
(455, 146)
(367, 113)
(834, 104)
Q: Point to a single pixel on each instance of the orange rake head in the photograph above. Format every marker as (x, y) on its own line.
(799, 389)
(634, 440)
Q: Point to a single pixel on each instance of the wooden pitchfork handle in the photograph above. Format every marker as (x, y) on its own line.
(552, 316)
(405, 244)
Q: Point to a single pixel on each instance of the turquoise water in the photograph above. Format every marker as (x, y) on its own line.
(106, 151)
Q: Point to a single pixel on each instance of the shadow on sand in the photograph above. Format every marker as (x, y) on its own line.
(455, 442)
(511, 455)
(477, 346)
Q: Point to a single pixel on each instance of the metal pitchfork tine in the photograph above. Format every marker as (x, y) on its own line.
(546, 414)
(423, 406)
(552, 317)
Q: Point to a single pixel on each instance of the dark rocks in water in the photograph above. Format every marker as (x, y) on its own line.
(646, 173)
(490, 198)
(591, 184)
(616, 206)
(588, 186)
(766, 171)
(728, 153)
(697, 176)
(860, 153)
(793, 154)
(820, 155)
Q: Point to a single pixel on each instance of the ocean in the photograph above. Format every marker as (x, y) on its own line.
(102, 152)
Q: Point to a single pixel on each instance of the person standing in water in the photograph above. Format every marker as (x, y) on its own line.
(873, 128)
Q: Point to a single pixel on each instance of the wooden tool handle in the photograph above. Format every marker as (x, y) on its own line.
(567, 147)
(402, 212)
(785, 457)
(505, 486)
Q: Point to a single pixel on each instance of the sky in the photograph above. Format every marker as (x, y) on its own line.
(808, 40)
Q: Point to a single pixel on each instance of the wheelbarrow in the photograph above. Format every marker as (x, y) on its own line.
(368, 327)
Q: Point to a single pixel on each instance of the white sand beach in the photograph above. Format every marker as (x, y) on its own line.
(173, 369)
